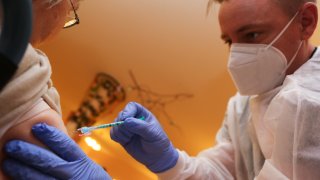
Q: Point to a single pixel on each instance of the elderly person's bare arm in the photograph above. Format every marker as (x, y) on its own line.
(23, 130)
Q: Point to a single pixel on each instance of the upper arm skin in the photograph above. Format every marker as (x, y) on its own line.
(22, 131)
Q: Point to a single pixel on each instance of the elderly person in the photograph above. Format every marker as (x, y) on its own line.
(30, 98)
(271, 127)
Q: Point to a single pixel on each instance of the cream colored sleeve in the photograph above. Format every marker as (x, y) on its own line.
(213, 163)
(295, 127)
(30, 83)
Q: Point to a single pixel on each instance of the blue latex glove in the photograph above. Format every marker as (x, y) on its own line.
(28, 161)
(144, 139)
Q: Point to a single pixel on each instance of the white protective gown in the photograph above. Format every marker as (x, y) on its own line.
(271, 136)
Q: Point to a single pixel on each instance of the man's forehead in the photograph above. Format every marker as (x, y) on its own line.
(236, 13)
(244, 9)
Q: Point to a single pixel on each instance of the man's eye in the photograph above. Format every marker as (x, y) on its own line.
(252, 36)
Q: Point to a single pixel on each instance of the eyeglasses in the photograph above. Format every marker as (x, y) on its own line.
(71, 21)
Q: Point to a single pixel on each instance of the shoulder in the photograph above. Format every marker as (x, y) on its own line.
(304, 84)
(298, 90)
(238, 102)
(32, 58)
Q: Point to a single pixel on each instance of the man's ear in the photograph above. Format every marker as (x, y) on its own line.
(308, 20)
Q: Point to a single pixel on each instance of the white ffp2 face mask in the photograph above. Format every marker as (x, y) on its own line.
(258, 68)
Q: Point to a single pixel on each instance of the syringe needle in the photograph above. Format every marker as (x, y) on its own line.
(87, 130)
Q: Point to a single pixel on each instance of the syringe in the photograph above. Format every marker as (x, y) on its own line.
(87, 130)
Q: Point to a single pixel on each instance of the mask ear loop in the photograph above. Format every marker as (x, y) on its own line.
(291, 61)
(294, 56)
(283, 30)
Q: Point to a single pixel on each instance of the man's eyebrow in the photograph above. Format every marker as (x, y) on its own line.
(246, 27)
(242, 29)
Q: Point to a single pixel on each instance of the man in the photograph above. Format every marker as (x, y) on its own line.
(271, 127)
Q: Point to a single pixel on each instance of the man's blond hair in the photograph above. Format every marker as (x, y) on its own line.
(290, 6)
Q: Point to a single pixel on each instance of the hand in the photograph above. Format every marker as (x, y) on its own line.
(66, 161)
(144, 139)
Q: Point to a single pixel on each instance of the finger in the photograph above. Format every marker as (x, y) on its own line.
(120, 135)
(58, 142)
(16, 170)
(119, 117)
(141, 128)
(32, 155)
(135, 110)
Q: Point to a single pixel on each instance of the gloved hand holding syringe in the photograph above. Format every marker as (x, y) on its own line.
(87, 130)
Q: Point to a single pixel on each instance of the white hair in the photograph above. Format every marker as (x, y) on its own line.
(52, 3)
